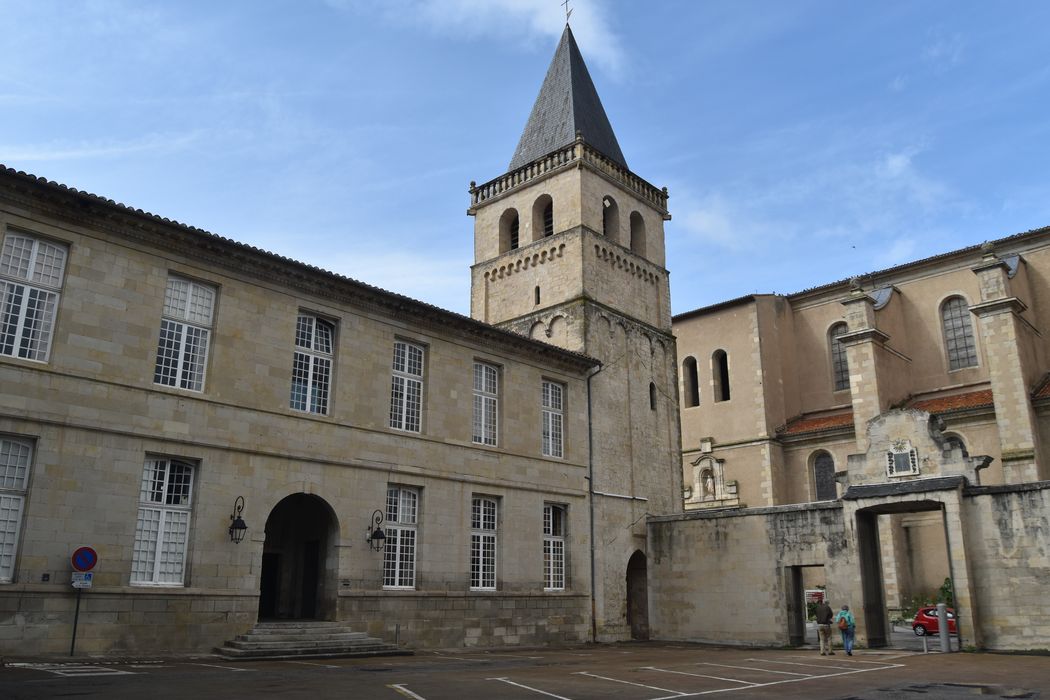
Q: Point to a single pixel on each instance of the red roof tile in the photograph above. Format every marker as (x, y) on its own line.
(956, 402)
(817, 423)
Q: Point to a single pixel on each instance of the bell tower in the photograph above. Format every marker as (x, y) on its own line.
(569, 249)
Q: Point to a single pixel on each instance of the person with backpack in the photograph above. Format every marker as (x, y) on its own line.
(847, 626)
(824, 615)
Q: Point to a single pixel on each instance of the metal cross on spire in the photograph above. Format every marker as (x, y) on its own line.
(567, 11)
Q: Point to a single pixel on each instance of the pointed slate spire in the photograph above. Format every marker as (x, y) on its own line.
(567, 103)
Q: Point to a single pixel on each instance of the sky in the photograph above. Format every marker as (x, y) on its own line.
(802, 142)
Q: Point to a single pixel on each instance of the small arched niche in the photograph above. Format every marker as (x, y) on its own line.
(637, 234)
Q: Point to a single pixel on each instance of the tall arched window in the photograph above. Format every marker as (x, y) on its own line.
(692, 382)
(637, 233)
(958, 334)
(542, 217)
(951, 441)
(839, 366)
(610, 219)
(508, 231)
(652, 396)
(824, 477)
(720, 374)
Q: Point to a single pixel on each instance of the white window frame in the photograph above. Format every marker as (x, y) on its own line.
(553, 416)
(312, 364)
(162, 529)
(16, 461)
(32, 271)
(486, 404)
(185, 330)
(402, 538)
(484, 541)
(406, 387)
(555, 521)
(901, 447)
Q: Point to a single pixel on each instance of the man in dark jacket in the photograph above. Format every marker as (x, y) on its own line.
(824, 615)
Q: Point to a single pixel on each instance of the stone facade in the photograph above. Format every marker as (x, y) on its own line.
(838, 384)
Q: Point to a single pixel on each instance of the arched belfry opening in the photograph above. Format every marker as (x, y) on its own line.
(299, 564)
(638, 596)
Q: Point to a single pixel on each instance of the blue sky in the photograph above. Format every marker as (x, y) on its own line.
(802, 142)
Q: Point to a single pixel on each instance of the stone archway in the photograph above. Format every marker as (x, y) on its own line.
(299, 565)
(638, 596)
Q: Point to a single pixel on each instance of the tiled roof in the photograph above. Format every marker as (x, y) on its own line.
(816, 424)
(1043, 390)
(956, 402)
(567, 103)
(22, 181)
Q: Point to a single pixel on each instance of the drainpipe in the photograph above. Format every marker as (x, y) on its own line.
(590, 499)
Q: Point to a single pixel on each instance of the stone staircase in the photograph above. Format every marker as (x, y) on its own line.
(305, 639)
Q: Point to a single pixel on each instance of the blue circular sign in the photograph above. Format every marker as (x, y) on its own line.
(84, 559)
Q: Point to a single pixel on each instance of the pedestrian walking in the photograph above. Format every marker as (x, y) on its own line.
(824, 617)
(847, 625)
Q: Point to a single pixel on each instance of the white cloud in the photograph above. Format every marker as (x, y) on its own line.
(944, 51)
(521, 21)
(63, 150)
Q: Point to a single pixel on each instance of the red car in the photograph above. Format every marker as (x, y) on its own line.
(926, 621)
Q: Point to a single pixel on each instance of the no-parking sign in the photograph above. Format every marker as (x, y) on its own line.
(84, 559)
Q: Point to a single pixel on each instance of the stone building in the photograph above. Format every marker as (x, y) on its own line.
(162, 384)
(878, 436)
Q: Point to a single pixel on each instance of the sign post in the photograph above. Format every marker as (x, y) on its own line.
(83, 561)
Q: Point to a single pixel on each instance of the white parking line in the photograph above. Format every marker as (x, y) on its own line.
(792, 663)
(76, 670)
(535, 690)
(617, 680)
(780, 682)
(753, 668)
(225, 668)
(698, 675)
(311, 663)
(406, 692)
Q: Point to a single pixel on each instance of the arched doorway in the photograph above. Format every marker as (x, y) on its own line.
(299, 565)
(638, 596)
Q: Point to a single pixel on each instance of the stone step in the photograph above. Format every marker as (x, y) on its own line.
(320, 653)
(272, 635)
(305, 639)
(302, 643)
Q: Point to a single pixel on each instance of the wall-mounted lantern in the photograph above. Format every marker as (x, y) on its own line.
(238, 527)
(376, 538)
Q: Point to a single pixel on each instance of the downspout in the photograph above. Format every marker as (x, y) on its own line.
(590, 499)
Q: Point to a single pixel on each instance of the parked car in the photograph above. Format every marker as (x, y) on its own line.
(926, 621)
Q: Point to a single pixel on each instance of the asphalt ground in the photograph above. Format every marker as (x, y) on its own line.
(629, 671)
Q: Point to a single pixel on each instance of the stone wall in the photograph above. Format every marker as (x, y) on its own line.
(720, 577)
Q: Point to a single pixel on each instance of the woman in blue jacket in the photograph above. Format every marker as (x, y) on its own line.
(847, 629)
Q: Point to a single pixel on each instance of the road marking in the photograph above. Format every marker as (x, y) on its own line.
(780, 682)
(698, 675)
(753, 668)
(224, 668)
(77, 670)
(406, 692)
(617, 680)
(152, 664)
(310, 663)
(792, 663)
(535, 690)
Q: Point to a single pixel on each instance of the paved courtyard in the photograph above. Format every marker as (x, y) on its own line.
(641, 671)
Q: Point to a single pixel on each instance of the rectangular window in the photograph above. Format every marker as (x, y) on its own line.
(312, 364)
(902, 461)
(406, 387)
(399, 557)
(483, 533)
(553, 547)
(553, 417)
(486, 388)
(182, 350)
(31, 274)
(15, 458)
(163, 527)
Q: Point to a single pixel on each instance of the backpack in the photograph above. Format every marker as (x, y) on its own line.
(843, 623)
